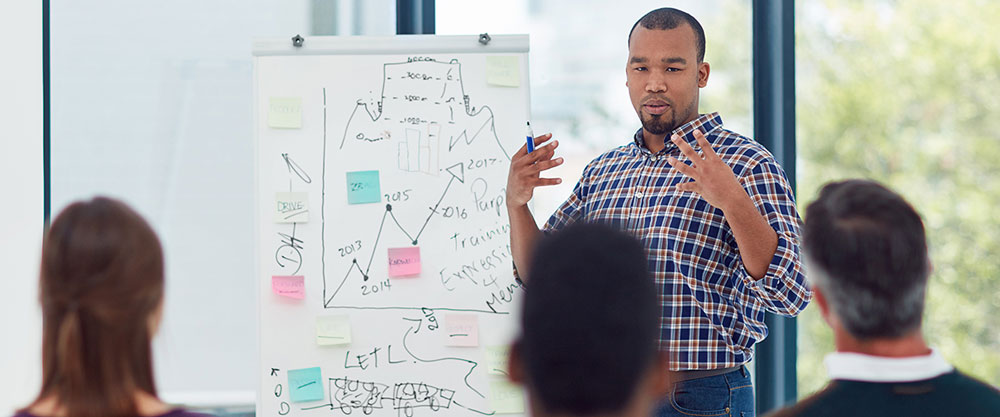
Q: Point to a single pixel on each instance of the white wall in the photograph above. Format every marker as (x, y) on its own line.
(21, 188)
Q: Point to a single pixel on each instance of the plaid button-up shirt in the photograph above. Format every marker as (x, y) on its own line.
(713, 309)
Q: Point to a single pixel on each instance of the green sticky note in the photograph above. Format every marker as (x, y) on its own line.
(305, 385)
(497, 359)
(506, 398)
(504, 71)
(333, 330)
(363, 187)
(285, 113)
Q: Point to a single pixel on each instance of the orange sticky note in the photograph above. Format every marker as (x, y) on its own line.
(404, 261)
(461, 330)
(292, 286)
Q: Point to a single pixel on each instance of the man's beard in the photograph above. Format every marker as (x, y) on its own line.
(658, 124)
(662, 124)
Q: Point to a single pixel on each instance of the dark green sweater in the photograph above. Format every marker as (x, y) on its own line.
(951, 394)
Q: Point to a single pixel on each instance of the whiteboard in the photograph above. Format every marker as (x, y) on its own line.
(368, 148)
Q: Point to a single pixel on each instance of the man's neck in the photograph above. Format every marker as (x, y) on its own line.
(909, 345)
(655, 143)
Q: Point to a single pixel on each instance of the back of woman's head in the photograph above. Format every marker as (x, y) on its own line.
(101, 289)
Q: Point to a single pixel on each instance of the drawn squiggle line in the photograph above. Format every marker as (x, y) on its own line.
(473, 409)
(467, 375)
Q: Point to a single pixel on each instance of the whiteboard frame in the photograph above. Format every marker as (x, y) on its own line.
(389, 45)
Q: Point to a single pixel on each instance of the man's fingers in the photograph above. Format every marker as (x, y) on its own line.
(706, 148)
(686, 149)
(682, 167)
(543, 182)
(549, 164)
(542, 153)
(541, 139)
(689, 186)
(538, 141)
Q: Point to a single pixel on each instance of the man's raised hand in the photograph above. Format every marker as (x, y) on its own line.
(525, 170)
(711, 177)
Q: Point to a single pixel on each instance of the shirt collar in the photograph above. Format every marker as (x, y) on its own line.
(704, 122)
(868, 368)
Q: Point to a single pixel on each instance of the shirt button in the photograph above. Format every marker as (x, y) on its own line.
(638, 194)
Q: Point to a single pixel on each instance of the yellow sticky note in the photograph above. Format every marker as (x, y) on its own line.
(504, 71)
(333, 330)
(506, 398)
(291, 207)
(497, 359)
(285, 113)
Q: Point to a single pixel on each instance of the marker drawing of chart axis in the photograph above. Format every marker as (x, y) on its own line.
(420, 132)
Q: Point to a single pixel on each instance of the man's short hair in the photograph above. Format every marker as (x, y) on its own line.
(590, 320)
(866, 251)
(667, 18)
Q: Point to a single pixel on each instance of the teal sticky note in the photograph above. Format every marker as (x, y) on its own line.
(305, 385)
(363, 187)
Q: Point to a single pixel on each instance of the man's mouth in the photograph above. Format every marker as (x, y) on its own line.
(656, 107)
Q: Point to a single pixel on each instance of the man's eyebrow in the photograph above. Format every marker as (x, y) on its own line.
(674, 60)
(638, 60)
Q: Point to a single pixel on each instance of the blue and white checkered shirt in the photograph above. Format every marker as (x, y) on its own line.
(713, 310)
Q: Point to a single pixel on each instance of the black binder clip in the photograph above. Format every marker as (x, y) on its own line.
(297, 41)
(484, 38)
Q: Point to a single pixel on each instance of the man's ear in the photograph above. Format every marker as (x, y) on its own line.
(515, 363)
(703, 70)
(824, 306)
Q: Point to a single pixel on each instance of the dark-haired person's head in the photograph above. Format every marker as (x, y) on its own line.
(866, 252)
(666, 68)
(590, 326)
(101, 292)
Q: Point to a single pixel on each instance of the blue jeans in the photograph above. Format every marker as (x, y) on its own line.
(728, 394)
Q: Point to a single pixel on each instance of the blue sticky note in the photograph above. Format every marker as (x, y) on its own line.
(305, 385)
(363, 187)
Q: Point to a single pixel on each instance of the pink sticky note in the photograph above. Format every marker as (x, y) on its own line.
(293, 286)
(404, 261)
(461, 330)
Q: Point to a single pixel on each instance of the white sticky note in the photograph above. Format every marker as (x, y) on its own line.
(285, 112)
(291, 207)
(461, 330)
(333, 330)
(503, 70)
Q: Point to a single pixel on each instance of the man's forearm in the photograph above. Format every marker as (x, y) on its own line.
(523, 235)
(756, 239)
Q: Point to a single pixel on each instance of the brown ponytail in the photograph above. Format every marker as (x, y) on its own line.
(101, 282)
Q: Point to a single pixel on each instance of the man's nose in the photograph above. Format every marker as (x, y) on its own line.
(656, 83)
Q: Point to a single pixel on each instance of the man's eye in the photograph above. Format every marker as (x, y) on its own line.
(640, 68)
(673, 69)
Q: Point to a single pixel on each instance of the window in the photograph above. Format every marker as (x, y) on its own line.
(904, 93)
